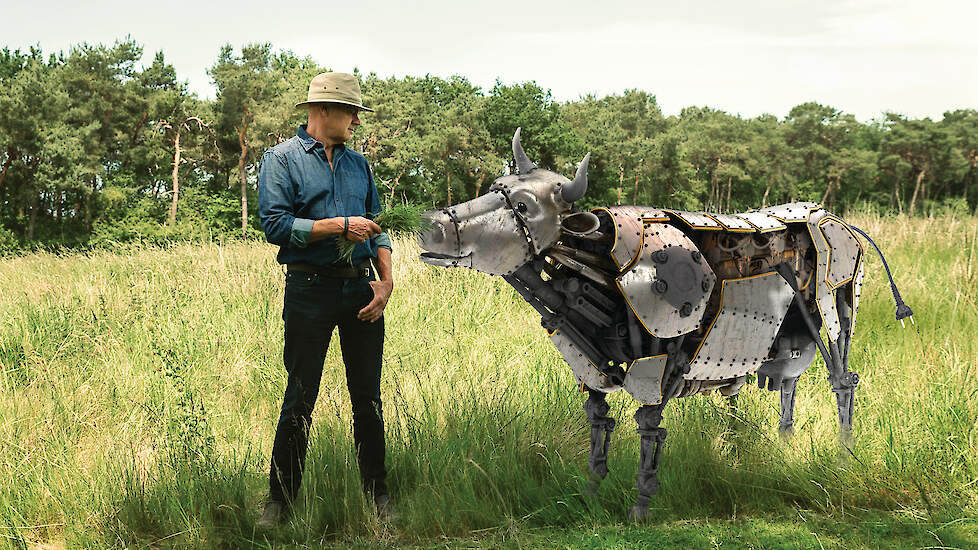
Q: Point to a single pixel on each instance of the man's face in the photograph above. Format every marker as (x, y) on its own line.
(339, 121)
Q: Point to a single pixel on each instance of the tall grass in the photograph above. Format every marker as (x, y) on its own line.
(139, 393)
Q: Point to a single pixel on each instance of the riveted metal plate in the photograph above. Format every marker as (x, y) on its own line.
(733, 223)
(857, 288)
(792, 211)
(654, 215)
(490, 238)
(844, 251)
(627, 223)
(824, 295)
(740, 337)
(584, 370)
(696, 220)
(668, 285)
(762, 221)
(643, 379)
(536, 202)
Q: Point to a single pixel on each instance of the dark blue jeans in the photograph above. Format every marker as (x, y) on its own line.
(314, 306)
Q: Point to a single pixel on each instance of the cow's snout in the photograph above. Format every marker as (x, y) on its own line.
(440, 240)
(441, 235)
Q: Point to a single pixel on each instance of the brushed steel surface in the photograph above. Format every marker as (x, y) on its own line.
(857, 288)
(733, 223)
(490, 238)
(643, 379)
(584, 370)
(627, 222)
(696, 220)
(763, 222)
(653, 215)
(656, 311)
(740, 337)
(844, 251)
(535, 200)
(792, 211)
(824, 295)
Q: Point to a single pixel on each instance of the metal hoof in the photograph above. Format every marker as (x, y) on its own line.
(639, 513)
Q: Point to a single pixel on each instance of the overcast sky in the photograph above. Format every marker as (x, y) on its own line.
(919, 58)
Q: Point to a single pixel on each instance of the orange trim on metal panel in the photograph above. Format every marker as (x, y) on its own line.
(732, 229)
(697, 227)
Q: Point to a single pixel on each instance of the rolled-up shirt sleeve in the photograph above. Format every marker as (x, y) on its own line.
(383, 240)
(276, 204)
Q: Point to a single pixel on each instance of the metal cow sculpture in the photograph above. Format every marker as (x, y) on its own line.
(665, 303)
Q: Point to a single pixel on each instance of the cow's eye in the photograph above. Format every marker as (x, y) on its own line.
(521, 207)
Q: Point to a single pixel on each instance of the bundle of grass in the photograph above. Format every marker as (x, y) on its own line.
(401, 218)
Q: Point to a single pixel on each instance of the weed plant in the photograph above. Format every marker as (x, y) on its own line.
(139, 393)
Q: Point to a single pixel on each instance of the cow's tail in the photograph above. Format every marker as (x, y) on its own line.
(902, 310)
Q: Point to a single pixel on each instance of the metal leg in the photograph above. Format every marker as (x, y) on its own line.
(843, 380)
(836, 356)
(844, 388)
(787, 425)
(648, 418)
(601, 427)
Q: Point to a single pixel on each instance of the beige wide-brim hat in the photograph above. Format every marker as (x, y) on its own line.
(335, 88)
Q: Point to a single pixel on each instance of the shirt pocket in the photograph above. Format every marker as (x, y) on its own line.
(354, 190)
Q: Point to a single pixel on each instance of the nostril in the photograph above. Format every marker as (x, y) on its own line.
(435, 234)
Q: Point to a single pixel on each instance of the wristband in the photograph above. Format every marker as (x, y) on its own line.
(346, 226)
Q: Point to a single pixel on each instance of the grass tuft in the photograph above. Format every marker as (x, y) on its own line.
(403, 219)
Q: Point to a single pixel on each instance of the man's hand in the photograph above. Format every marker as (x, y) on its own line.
(382, 293)
(362, 229)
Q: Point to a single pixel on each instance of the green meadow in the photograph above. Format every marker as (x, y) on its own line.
(140, 387)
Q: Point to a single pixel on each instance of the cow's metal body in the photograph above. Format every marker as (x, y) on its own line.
(664, 303)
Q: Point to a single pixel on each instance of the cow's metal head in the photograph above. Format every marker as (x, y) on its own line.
(520, 216)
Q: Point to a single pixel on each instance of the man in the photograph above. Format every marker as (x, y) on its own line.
(311, 190)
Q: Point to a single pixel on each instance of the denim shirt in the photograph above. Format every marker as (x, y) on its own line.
(297, 186)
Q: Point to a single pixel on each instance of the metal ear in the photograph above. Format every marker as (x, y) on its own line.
(580, 223)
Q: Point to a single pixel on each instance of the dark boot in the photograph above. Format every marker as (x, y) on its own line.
(385, 508)
(274, 515)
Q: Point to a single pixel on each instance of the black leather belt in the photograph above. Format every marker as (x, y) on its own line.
(335, 271)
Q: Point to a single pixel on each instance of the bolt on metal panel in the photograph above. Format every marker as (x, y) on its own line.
(824, 295)
(696, 220)
(643, 379)
(585, 372)
(844, 251)
(668, 285)
(740, 337)
(792, 211)
(654, 215)
(763, 222)
(733, 223)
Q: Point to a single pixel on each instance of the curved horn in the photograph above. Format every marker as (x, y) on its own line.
(574, 190)
(523, 163)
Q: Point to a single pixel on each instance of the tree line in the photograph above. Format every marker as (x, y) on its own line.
(95, 149)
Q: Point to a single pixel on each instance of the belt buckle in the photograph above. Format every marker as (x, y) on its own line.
(364, 272)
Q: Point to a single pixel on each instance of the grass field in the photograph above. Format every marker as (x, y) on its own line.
(139, 391)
